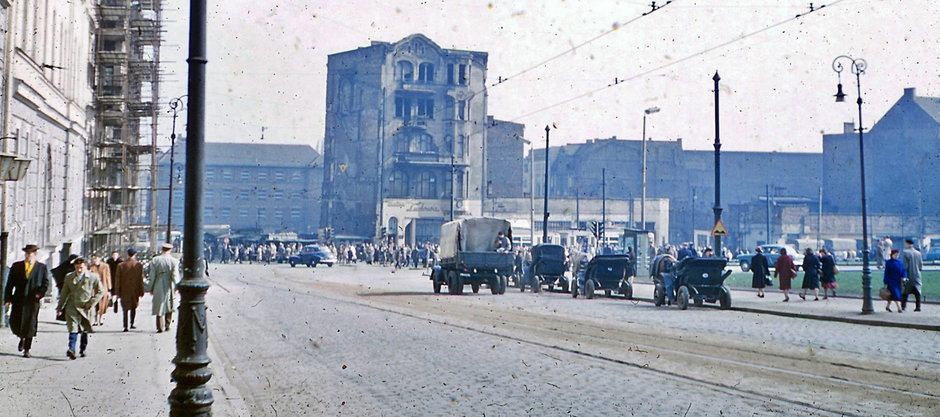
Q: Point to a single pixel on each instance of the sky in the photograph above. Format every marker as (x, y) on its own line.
(560, 58)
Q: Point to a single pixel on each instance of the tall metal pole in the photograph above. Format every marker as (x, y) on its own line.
(192, 397)
(819, 222)
(532, 193)
(643, 172)
(604, 204)
(453, 183)
(857, 67)
(718, 251)
(174, 107)
(768, 216)
(545, 197)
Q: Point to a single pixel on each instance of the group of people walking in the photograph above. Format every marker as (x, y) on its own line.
(86, 289)
(818, 270)
(902, 277)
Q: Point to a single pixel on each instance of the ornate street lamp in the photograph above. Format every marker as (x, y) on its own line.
(858, 67)
(646, 112)
(175, 106)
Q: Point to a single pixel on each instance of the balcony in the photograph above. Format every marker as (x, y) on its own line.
(111, 57)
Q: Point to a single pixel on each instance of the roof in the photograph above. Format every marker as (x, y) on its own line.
(931, 106)
(252, 154)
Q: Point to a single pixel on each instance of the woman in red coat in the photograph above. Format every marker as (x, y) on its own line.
(785, 270)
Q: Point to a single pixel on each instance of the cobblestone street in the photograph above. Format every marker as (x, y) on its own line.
(361, 340)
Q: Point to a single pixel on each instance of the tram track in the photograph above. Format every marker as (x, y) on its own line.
(779, 375)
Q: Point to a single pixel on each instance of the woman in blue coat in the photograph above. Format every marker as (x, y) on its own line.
(894, 277)
(811, 274)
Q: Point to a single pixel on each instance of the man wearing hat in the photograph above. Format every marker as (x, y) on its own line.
(129, 286)
(163, 275)
(913, 263)
(81, 292)
(27, 284)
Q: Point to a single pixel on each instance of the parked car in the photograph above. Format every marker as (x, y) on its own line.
(605, 272)
(772, 253)
(932, 255)
(311, 255)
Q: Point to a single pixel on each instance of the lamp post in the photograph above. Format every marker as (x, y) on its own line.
(175, 107)
(545, 197)
(717, 209)
(453, 183)
(857, 67)
(12, 168)
(191, 396)
(646, 112)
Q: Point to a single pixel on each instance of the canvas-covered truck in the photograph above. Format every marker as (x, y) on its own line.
(469, 256)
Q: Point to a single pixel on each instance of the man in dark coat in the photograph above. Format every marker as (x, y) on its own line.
(28, 283)
(129, 286)
(760, 270)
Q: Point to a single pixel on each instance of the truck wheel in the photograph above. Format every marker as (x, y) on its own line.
(745, 266)
(724, 298)
(683, 299)
(503, 284)
(451, 282)
(589, 289)
(475, 288)
(659, 295)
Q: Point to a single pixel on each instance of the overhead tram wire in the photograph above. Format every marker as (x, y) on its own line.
(618, 81)
(617, 26)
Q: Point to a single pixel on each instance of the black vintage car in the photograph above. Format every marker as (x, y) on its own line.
(700, 280)
(548, 267)
(606, 272)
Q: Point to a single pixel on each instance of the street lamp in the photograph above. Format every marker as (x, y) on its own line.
(858, 67)
(175, 106)
(12, 168)
(646, 112)
(545, 197)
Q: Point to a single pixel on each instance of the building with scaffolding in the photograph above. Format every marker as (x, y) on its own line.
(123, 148)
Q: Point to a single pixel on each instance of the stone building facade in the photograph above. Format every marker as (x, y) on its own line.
(406, 128)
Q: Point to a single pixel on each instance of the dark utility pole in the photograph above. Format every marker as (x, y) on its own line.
(545, 197)
(175, 108)
(768, 242)
(604, 204)
(717, 250)
(192, 397)
(453, 183)
(858, 67)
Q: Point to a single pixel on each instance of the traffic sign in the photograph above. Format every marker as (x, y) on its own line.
(719, 229)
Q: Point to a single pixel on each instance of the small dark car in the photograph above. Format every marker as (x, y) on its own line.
(606, 272)
(549, 264)
(700, 280)
(311, 255)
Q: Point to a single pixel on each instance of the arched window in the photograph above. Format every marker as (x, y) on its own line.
(406, 71)
(422, 143)
(397, 184)
(426, 72)
(402, 142)
(459, 146)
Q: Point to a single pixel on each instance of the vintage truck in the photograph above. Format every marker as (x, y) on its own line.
(469, 255)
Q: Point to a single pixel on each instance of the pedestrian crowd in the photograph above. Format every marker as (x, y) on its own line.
(86, 289)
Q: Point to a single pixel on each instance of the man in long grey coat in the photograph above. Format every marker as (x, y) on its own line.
(81, 291)
(913, 263)
(162, 276)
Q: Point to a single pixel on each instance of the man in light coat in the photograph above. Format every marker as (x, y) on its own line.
(81, 291)
(162, 276)
(913, 263)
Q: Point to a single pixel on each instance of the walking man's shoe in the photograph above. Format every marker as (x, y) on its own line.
(20, 347)
(71, 354)
(25, 353)
(82, 353)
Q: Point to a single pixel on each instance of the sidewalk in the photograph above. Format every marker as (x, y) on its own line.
(834, 309)
(125, 374)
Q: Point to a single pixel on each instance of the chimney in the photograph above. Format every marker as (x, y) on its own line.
(848, 127)
(909, 92)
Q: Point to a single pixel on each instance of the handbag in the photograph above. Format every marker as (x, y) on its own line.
(885, 293)
(60, 316)
(835, 270)
(768, 281)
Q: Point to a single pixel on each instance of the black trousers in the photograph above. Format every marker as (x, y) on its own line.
(904, 298)
(133, 316)
(27, 343)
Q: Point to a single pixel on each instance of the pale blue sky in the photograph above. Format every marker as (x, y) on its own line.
(267, 63)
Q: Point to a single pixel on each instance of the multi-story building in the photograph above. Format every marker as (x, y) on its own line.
(405, 130)
(127, 97)
(47, 109)
(250, 187)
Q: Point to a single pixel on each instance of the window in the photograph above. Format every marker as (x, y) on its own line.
(262, 194)
(279, 175)
(243, 212)
(406, 71)
(209, 211)
(209, 194)
(425, 108)
(262, 213)
(295, 213)
(459, 185)
(296, 175)
(463, 76)
(278, 213)
(244, 194)
(226, 212)
(450, 74)
(210, 174)
(403, 108)
(425, 185)
(262, 175)
(426, 72)
(463, 110)
(397, 184)
(227, 194)
(278, 195)
(245, 175)
(422, 143)
(226, 174)
(459, 147)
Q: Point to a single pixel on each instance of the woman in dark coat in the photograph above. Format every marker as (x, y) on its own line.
(810, 274)
(894, 277)
(785, 270)
(27, 284)
(828, 268)
(760, 270)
